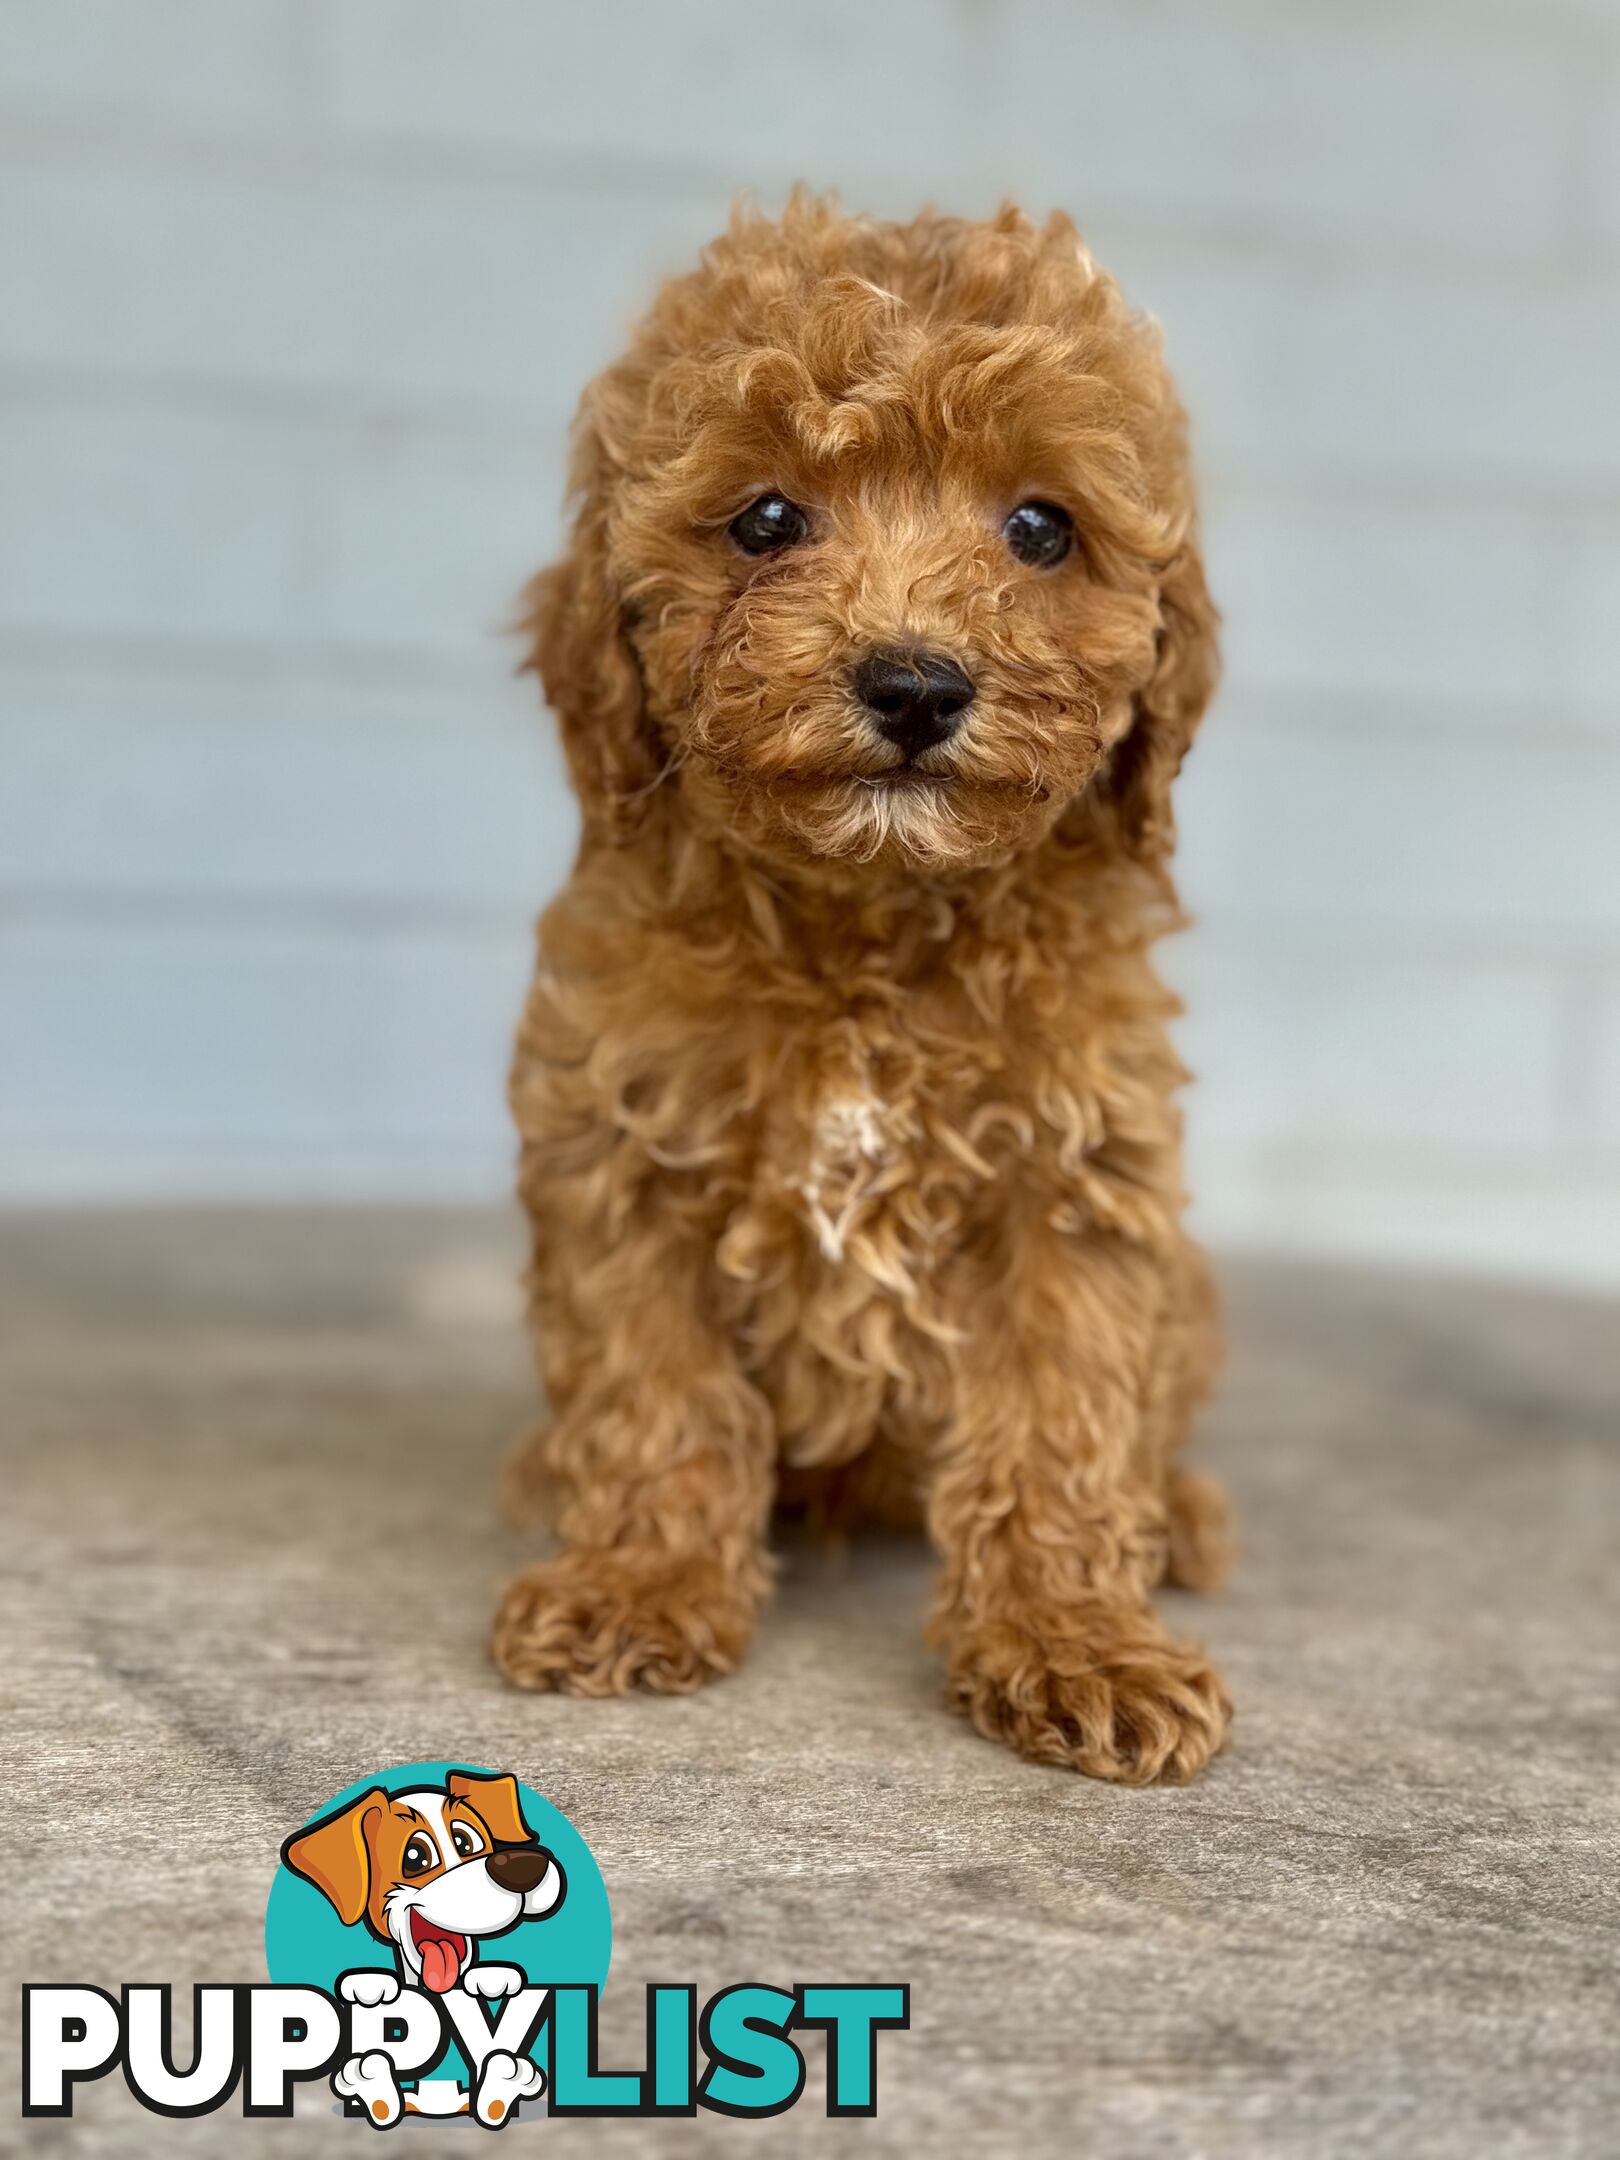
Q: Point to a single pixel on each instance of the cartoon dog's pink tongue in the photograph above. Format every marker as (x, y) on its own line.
(442, 1953)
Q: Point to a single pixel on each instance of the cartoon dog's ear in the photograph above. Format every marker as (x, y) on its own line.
(336, 1858)
(573, 617)
(1168, 709)
(496, 1799)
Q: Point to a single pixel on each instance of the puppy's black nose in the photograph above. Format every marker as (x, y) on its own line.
(916, 699)
(518, 1868)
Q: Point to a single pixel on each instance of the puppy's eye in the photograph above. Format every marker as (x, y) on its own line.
(420, 1854)
(1039, 534)
(771, 523)
(465, 1840)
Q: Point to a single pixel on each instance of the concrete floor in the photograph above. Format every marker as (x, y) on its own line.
(236, 1449)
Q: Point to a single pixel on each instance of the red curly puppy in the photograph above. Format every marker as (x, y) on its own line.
(845, 1093)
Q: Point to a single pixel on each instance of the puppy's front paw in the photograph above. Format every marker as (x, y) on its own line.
(367, 2084)
(1113, 1697)
(493, 1981)
(370, 1988)
(602, 1623)
(503, 2082)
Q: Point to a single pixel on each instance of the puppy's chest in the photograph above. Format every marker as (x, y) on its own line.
(837, 1182)
(879, 1147)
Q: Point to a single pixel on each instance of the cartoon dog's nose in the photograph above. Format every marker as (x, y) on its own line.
(916, 699)
(519, 1868)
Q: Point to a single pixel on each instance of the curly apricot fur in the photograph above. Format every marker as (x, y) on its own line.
(849, 1142)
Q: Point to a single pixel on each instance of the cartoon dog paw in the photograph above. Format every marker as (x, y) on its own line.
(369, 2083)
(503, 2082)
(369, 1988)
(493, 1981)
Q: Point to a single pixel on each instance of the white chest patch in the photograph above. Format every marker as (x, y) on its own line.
(849, 1147)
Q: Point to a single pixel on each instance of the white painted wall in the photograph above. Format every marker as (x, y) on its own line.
(295, 299)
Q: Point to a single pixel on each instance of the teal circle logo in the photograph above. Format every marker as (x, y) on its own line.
(437, 1877)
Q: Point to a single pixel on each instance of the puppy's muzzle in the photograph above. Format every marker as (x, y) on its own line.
(519, 1869)
(914, 699)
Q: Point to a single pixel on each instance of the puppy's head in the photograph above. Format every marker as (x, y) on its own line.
(883, 550)
(431, 1871)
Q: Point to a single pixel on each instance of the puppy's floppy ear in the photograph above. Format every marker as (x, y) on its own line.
(334, 1855)
(573, 616)
(496, 1799)
(1168, 708)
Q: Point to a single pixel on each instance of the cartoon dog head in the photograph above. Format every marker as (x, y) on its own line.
(431, 1871)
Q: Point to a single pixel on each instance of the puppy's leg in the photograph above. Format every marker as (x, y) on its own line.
(1199, 1554)
(1052, 1527)
(1186, 1357)
(658, 1477)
